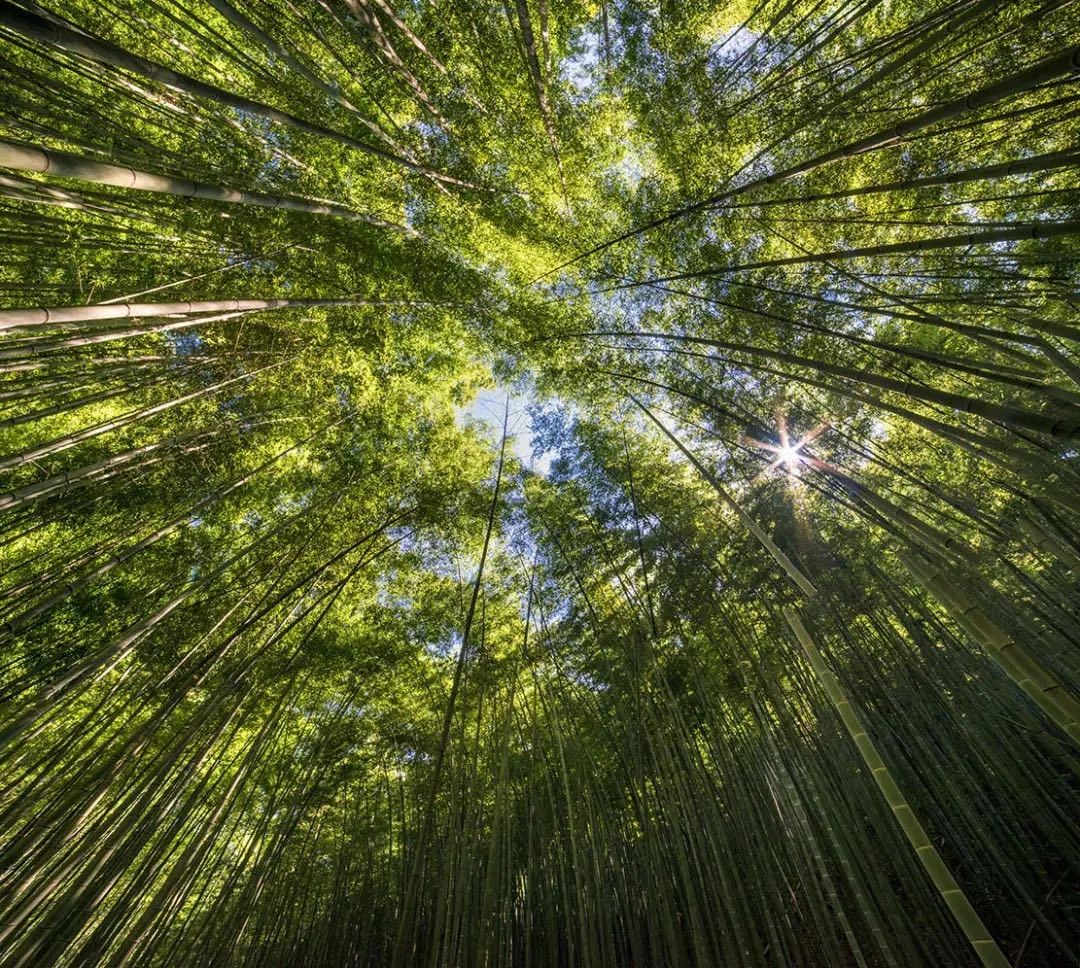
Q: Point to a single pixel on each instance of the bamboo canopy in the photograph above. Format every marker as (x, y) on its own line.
(532, 484)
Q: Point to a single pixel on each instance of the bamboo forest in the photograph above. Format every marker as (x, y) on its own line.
(578, 483)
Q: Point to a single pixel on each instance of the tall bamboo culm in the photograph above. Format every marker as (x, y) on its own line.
(1017, 662)
(967, 919)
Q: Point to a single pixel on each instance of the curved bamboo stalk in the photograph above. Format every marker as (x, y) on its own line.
(1038, 230)
(1062, 62)
(1004, 413)
(1051, 161)
(46, 348)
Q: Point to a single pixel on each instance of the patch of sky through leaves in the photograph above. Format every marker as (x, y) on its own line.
(582, 71)
(485, 414)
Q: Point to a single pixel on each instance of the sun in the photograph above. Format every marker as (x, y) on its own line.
(787, 454)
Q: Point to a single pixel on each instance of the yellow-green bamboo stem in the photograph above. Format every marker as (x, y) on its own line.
(917, 529)
(1048, 544)
(67, 165)
(966, 917)
(1016, 661)
(58, 316)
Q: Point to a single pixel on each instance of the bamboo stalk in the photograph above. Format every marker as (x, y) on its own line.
(11, 319)
(1015, 661)
(67, 165)
(963, 913)
(803, 583)
(86, 45)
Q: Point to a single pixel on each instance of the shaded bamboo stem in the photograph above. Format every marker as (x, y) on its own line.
(967, 919)
(1013, 659)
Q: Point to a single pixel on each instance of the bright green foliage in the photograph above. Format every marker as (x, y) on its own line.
(753, 639)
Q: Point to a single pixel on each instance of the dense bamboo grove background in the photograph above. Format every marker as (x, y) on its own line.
(747, 632)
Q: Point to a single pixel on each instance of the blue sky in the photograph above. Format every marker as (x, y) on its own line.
(487, 409)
